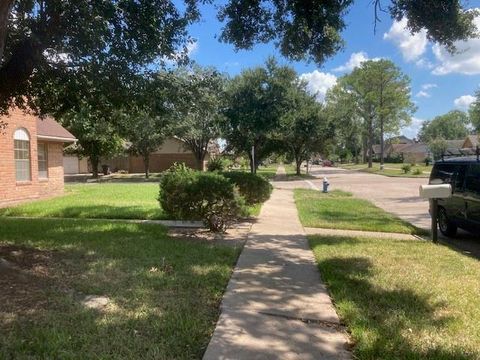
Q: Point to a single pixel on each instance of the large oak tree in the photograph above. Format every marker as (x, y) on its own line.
(52, 38)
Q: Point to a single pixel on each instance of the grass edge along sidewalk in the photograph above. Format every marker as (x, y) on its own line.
(339, 210)
(101, 201)
(163, 293)
(402, 299)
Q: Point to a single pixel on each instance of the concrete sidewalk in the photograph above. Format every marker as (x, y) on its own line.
(276, 306)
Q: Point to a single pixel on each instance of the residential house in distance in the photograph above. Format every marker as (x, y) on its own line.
(471, 142)
(31, 157)
(173, 150)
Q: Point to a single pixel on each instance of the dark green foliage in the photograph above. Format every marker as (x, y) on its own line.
(216, 164)
(42, 41)
(312, 29)
(453, 125)
(406, 168)
(186, 194)
(254, 188)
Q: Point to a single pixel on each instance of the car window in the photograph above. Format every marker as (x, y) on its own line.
(442, 173)
(460, 171)
(472, 180)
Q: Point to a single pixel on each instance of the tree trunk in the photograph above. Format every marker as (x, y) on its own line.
(253, 161)
(199, 159)
(5, 7)
(94, 160)
(18, 69)
(382, 144)
(364, 149)
(146, 163)
(370, 142)
(298, 165)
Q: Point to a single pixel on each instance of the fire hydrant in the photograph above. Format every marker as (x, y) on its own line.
(325, 185)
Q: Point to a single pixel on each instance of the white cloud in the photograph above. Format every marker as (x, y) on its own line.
(424, 91)
(465, 61)
(424, 64)
(423, 94)
(318, 83)
(412, 130)
(356, 59)
(429, 86)
(412, 46)
(464, 102)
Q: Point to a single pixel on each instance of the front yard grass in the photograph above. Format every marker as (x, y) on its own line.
(339, 210)
(163, 293)
(391, 169)
(101, 201)
(403, 299)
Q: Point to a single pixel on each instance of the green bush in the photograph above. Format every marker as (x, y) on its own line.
(406, 168)
(186, 194)
(254, 188)
(417, 171)
(218, 164)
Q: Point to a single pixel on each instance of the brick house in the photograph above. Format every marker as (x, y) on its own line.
(31, 157)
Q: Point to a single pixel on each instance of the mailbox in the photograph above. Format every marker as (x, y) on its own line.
(433, 193)
(436, 191)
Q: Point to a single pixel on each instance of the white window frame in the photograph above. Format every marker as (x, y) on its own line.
(42, 174)
(21, 145)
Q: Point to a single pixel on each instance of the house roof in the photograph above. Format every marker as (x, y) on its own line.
(49, 129)
(400, 140)
(376, 149)
(415, 148)
(398, 148)
(473, 139)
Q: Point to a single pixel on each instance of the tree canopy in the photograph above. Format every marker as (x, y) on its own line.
(53, 38)
(453, 125)
(202, 93)
(377, 92)
(256, 101)
(312, 29)
(304, 127)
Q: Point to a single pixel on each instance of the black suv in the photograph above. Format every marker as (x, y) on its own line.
(462, 210)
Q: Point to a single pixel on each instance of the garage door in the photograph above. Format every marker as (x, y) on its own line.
(70, 165)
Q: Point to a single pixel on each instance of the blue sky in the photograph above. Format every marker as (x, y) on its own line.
(440, 81)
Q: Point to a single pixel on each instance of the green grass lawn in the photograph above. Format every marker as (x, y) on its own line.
(339, 210)
(101, 201)
(391, 169)
(403, 299)
(164, 293)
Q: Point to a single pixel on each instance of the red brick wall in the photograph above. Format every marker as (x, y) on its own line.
(161, 162)
(12, 191)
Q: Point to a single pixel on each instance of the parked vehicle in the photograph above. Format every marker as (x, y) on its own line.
(462, 210)
(327, 163)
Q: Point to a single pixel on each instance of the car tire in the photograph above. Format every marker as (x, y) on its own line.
(446, 226)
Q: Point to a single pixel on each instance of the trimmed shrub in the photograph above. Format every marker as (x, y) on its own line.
(186, 194)
(417, 171)
(406, 168)
(218, 164)
(254, 188)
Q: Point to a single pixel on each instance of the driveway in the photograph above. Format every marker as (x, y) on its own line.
(396, 195)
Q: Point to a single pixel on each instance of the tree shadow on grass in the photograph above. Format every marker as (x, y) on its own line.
(163, 293)
(380, 319)
(96, 211)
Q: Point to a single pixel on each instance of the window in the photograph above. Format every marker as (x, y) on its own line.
(442, 173)
(472, 183)
(459, 178)
(42, 161)
(21, 146)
